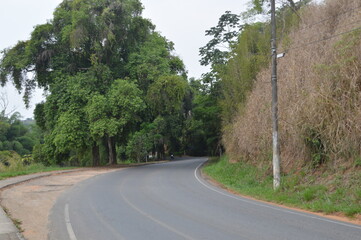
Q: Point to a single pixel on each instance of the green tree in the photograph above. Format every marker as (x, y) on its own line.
(166, 95)
(153, 60)
(110, 115)
(110, 31)
(223, 35)
(139, 145)
(14, 135)
(78, 57)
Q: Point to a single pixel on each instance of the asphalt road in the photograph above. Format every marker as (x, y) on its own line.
(170, 201)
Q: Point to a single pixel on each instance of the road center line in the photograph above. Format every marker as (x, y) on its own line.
(268, 206)
(68, 224)
(185, 236)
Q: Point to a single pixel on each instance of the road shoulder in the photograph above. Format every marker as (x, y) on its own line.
(29, 199)
(335, 216)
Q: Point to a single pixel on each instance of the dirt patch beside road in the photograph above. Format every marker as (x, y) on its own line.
(31, 202)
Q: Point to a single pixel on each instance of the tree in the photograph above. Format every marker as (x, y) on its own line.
(14, 135)
(153, 60)
(166, 95)
(109, 115)
(80, 53)
(139, 145)
(110, 31)
(79, 57)
(223, 35)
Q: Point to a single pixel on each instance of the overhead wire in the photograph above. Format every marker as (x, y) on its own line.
(321, 40)
(326, 19)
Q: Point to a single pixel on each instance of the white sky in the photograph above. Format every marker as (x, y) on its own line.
(182, 22)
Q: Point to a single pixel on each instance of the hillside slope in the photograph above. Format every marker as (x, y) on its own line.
(319, 94)
(319, 116)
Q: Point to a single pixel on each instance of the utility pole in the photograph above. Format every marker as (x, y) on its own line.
(276, 147)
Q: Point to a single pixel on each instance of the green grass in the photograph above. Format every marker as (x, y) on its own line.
(24, 170)
(299, 190)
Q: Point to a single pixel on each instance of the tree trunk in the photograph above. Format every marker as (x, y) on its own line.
(95, 155)
(111, 151)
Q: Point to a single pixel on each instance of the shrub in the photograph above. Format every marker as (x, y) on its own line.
(40, 155)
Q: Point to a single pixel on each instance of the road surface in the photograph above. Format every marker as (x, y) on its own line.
(170, 201)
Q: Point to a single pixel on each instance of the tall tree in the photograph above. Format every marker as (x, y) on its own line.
(111, 114)
(79, 53)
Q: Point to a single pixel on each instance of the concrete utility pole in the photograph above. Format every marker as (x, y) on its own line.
(276, 147)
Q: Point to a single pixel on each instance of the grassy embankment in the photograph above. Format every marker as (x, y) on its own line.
(29, 169)
(12, 165)
(319, 117)
(298, 190)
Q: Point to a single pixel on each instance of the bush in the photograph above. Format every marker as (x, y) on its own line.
(10, 160)
(40, 155)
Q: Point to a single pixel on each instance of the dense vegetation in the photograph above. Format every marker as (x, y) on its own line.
(115, 89)
(16, 136)
(319, 108)
(318, 81)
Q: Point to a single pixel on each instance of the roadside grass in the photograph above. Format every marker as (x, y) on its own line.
(251, 181)
(13, 171)
(17, 168)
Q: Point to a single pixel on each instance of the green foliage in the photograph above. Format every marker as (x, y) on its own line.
(203, 129)
(166, 95)
(9, 157)
(17, 136)
(106, 71)
(70, 131)
(357, 162)
(316, 147)
(249, 56)
(79, 30)
(139, 145)
(295, 191)
(313, 192)
(224, 33)
(153, 60)
(110, 114)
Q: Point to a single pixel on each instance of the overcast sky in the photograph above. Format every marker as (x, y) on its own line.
(182, 22)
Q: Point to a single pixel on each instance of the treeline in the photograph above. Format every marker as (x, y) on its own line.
(17, 136)
(115, 90)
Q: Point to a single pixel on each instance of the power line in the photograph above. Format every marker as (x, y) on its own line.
(326, 19)
(340, 27)
(323, 39)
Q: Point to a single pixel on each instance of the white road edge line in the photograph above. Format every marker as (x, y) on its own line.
(268, 206)
(68, 224)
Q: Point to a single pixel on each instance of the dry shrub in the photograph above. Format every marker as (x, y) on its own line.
(319, 95)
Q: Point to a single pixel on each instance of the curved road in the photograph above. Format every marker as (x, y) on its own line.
(170, 201)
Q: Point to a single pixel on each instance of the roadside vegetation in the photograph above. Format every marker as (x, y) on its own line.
(12, 165)
(116, 91)
(319, 108)
(320, 192)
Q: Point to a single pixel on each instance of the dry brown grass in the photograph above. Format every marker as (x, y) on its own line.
(319, 95)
